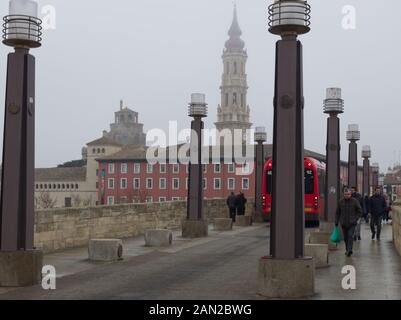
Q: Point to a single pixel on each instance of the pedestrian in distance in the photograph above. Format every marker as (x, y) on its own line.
(366, 208)
(386, 217)
(348, 213)
(231, 203)
(241, 203)
(377, 208)
(358, 196)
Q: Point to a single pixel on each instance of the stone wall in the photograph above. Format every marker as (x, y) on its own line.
(58, 229)
(397, 225)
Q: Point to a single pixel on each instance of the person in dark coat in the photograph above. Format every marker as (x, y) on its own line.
(356, 195)
(377, 208)
(348, 213)
(240, 203)
(231, 203)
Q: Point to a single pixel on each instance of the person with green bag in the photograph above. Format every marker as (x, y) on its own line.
(336, 236)
(349, 211)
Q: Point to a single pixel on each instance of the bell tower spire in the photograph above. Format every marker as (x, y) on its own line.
(234, 112)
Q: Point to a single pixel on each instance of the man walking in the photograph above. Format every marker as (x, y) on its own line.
(358, 196)
(231, 203)
(377, 207)
(348, 213)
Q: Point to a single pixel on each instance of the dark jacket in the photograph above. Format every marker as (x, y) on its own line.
(377, 205)
(231, 202)
(359, 197)
(240, 203)
(348, 212)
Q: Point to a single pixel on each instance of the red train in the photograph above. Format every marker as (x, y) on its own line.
(315, 176)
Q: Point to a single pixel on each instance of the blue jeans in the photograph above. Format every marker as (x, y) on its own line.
(348, 233)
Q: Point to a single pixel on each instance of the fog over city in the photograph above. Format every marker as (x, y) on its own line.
(154, 53)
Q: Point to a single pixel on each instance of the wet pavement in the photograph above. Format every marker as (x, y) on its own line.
(223, 266)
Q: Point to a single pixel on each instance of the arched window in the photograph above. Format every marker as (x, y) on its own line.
(68, 186)
(41, 186)
(63, 186)
(76, 186)
(59, 186)
(103, 150)
(235, 98)
(50, 186)
(98, 150)
(235, 68)
(37, 186)
(93, 150)
(54, 186)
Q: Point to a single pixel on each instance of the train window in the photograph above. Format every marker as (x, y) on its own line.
(269, 181)
(309, 182)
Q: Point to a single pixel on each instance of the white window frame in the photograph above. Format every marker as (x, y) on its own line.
(149, 168)
(162, 165)
(124, 168)
(228, 183)
(178, 184)
(175, 199)
(110, 200)
(111, 168)
(149, 198)
(217, 165)
(243, 183)
(139, 183)
(121, 183)
(246, 168)
(151, 182)
(162, 199)
(231, 168)
(137, 168)
(160, 183)
(214, 183)
(108, 184)
(176, 168)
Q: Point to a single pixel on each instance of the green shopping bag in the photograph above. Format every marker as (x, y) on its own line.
(336, 236)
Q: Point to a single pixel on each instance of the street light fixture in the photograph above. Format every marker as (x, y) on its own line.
(333, 106)
(195, 225)
(353, 135)
(22, 31)
(366, 155)
(260, 138)
(288, 19)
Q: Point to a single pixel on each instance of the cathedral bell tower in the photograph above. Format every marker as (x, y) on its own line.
(234, 112)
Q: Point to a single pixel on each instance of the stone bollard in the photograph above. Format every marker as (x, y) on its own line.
(320, 237)
(286, 279)
(195, 228)
(223, 224)
(158, 238)
(20, 268)
(105, 250)
(319, 252)
(243, 221)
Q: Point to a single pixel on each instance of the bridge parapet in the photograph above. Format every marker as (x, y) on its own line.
(397, 225)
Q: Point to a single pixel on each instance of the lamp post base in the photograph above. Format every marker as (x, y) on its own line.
(195, 228)
(20, 268)
(286, 279)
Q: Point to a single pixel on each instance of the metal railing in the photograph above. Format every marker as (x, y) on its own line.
(289, 13)
(22, 30)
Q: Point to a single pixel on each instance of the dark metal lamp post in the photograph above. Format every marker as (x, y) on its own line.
(366, 155)
(260, 138)
(22, 31)
(375, 175)
(288, 19)
(333, 106)
(195, 225)
(353, 135)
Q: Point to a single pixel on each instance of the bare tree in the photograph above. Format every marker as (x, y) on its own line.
(45, 201)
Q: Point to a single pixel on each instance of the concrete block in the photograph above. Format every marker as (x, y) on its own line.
(21, 268)
(321, 237)
(319, 252)
(223, 224)
(243, 221)
(105, 250)
(286, 279)
(195, 228)
(158, 238)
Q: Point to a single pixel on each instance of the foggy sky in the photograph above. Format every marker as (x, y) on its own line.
(155, 53)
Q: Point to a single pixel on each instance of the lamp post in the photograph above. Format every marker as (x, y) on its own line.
(260, 138)
(22, 31)
(366, 155)
(375, 175)
(353, 135)
(333, 106)
(288, 19)
(196, 225)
